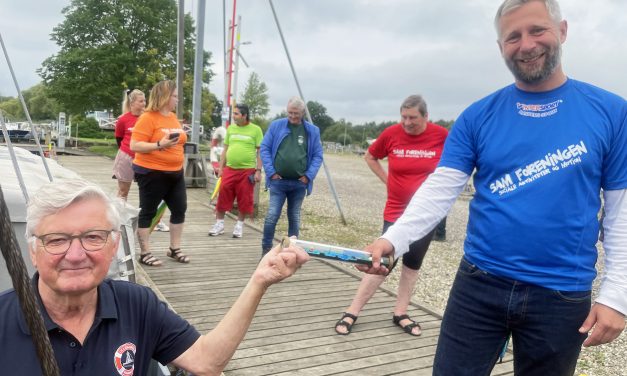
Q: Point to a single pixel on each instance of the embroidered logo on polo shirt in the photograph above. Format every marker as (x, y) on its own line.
(538, 110)
(124, 359)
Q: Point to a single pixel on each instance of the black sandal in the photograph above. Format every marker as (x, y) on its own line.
(149, 259)
(178, 255)
(346, 324)
(409, 328)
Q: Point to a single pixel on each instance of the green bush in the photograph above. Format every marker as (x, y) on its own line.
(344, 139)
(88, 127)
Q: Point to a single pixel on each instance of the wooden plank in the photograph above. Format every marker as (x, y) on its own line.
(293, 330)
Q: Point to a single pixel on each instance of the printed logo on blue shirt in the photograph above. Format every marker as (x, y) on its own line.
(551, 163)
(538, 110)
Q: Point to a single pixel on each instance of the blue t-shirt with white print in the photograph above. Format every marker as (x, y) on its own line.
(541, 160)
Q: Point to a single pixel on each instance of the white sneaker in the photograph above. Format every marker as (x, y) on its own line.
(162, 227)
(217, 229)
(238, 229)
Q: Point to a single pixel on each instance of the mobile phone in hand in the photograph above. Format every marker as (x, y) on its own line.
(173, 136)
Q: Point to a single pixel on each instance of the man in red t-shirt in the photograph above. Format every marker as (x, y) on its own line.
(413, 148)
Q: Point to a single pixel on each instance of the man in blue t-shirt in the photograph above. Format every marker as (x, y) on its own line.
(98, 326)
(542, 150)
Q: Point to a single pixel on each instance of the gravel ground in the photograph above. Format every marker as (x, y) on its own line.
(362, 197)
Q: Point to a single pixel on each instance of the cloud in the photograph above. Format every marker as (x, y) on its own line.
(361, 58)
(26, 27)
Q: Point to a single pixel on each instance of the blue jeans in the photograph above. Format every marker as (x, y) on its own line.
(294, 192)
(484, 309)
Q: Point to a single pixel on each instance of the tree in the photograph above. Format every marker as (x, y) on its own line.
(263, 123)
(87, 127)
(334, 133)
(209, 103)
(281, 115)
(11, 109)
(38, 102)
(255, 96)
(445, 123)
(40, 105)
(107, 46)
(319, 115)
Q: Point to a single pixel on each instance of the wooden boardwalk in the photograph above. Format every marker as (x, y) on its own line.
(292, 332)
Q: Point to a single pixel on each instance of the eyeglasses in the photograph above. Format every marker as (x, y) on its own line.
(59, 243)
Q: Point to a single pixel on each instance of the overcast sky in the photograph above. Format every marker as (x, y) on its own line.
(360, 58)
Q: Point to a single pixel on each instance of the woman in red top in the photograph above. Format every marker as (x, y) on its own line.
(413, 149)
(133, 106)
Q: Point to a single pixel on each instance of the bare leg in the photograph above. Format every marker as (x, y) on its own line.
(367, 287)
(219, 215)
(143, 235)
(175, 244)
(176, 231)
(406, 286)
(123, 188)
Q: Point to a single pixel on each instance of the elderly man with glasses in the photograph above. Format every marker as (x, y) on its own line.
(102, 327)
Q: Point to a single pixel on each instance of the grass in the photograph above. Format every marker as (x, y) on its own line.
(105, 150)
(97, 141)
(323, 227)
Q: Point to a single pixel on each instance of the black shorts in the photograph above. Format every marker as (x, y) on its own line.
(417, 250)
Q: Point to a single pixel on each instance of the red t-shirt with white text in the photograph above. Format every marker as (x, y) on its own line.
(124, 128)
(411, 158)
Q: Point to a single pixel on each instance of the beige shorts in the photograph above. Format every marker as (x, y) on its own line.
(123, 167)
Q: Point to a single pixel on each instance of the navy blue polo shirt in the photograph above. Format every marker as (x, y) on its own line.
(131, 326)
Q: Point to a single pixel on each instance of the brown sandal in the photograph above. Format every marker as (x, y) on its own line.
(343, 323)
(178, 255)
(409, 328)
(149, 259)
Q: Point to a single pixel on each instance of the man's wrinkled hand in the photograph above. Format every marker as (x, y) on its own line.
(378, 249)
(279, 263)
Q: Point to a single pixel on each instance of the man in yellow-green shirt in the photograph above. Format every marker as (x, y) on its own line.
(240, 170)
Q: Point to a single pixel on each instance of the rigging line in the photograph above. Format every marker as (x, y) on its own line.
(230, 71)
(300, 92)
(30, 122)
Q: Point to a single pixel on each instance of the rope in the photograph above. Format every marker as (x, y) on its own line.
(26, 296)
(30, 122)
(300, 92)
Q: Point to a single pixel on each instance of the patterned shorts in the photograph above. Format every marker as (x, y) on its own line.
(123, 167)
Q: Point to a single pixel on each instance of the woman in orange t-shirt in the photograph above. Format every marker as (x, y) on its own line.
(158, 141)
